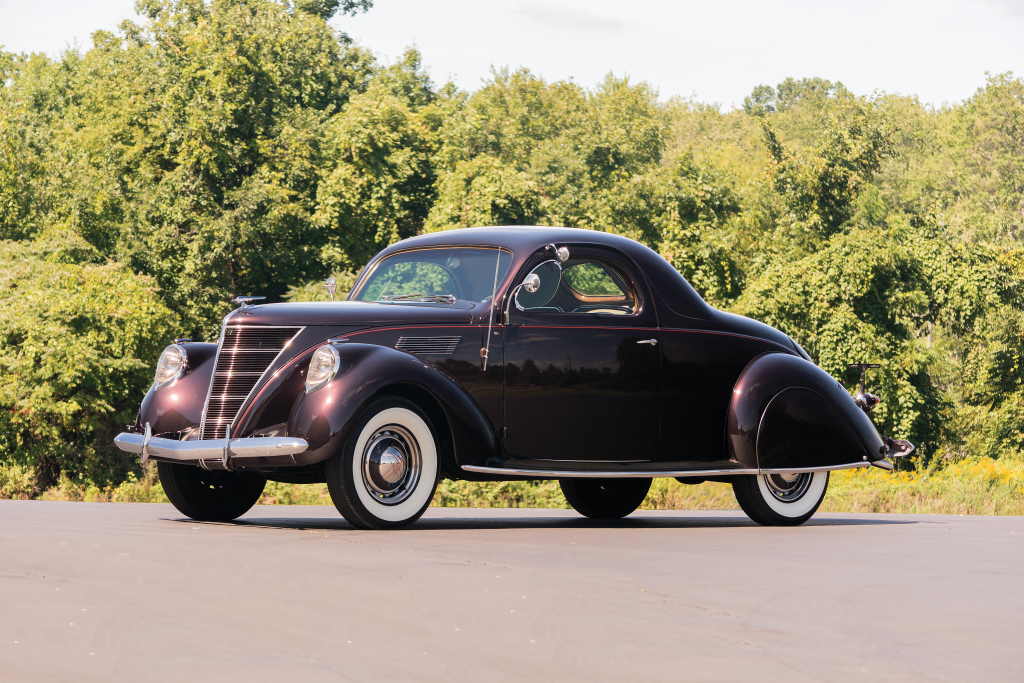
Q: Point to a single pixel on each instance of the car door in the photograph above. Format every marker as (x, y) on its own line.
(582, 363)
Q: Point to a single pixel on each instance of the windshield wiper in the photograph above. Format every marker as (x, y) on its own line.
(428, 298)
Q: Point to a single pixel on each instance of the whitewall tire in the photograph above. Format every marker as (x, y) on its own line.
(787, 499)
(385, 475)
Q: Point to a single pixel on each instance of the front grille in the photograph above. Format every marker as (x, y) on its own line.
(443, 346)
(244, 355)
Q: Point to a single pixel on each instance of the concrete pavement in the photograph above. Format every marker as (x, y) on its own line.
(135, 592)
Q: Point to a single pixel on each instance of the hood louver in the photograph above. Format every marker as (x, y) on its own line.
(441, 346)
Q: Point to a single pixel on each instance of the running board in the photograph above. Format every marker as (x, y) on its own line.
(638, 474)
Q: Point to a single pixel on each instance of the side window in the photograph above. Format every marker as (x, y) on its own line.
(598, 288)
(580, 286)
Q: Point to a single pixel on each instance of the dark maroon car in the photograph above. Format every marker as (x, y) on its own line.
(494, 354)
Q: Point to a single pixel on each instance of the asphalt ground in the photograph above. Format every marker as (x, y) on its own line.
(135, 592)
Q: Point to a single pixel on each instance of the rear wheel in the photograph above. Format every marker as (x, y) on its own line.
(210, 496)
(386, 474)
(781, 499)
(605, 498)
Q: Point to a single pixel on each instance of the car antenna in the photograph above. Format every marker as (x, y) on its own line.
(485, 352)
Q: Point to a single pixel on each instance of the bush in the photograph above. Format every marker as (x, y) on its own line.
(78, 343)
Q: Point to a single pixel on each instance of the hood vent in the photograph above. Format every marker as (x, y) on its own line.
(431, 346)
(243, 357)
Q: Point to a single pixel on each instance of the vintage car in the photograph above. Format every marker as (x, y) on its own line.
(493, 354)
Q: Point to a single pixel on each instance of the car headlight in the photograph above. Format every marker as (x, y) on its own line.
(171, 365)
(323, 367)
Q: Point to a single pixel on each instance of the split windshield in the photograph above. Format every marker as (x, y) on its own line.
(436, 274)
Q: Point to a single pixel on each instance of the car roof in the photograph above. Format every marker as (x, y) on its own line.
(524, 240)
(521, 239)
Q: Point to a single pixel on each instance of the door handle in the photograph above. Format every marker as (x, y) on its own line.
(652, 342)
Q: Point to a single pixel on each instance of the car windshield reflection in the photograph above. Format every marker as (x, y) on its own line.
(436, 276)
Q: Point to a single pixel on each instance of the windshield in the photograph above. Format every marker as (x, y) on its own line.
(436, 275)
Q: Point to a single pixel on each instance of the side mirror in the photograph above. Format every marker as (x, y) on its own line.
(331, 286)
(532, 283)
(561, 253)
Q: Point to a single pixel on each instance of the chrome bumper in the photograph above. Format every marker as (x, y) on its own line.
(235, 450)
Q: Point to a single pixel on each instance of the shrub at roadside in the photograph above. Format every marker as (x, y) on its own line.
(77, 344)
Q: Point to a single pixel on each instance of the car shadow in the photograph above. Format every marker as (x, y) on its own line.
(513, 521)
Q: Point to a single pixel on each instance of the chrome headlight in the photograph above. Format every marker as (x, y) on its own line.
(323, 367)
(171, 365)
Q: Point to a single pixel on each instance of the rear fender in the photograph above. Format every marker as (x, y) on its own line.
(323, 418)
(786, 412)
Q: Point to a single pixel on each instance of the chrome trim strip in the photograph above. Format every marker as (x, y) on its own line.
(249, 328)
(210, 449)
(220, 345)
(637, 474)
(603, 474)
(830, 468)
(213, 375)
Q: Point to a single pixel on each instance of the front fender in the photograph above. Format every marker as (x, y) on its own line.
(787, 412)
(323, 418)
(178, 406)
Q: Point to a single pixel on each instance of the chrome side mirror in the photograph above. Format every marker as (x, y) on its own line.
(561, 253)
(331, 286)
(532, 283)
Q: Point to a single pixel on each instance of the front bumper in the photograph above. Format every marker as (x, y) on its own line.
(242, 452)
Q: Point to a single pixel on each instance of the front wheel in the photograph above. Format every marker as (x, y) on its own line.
(210, 496)
(386, 474)
(788, 499)
(605, 498)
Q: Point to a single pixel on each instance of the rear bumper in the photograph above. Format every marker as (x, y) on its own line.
(897, 448)
(239, 451)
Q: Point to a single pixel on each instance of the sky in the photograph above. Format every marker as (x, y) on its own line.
(715, 52)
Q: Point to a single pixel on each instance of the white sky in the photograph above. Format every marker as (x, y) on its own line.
(715, 51)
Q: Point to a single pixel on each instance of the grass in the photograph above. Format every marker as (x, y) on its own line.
(977, 486)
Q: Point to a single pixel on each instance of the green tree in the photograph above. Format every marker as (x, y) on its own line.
(818, 188)
(191, 147)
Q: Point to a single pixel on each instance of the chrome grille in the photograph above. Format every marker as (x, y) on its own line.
(443, 346)
(243, 357)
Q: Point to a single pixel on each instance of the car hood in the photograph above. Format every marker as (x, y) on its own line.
(354, 313)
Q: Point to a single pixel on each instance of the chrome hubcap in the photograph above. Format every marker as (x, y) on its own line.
(788, 487)
(391, 464)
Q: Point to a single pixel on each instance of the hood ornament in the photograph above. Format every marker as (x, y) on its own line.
(331, 286)
(245, 302)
